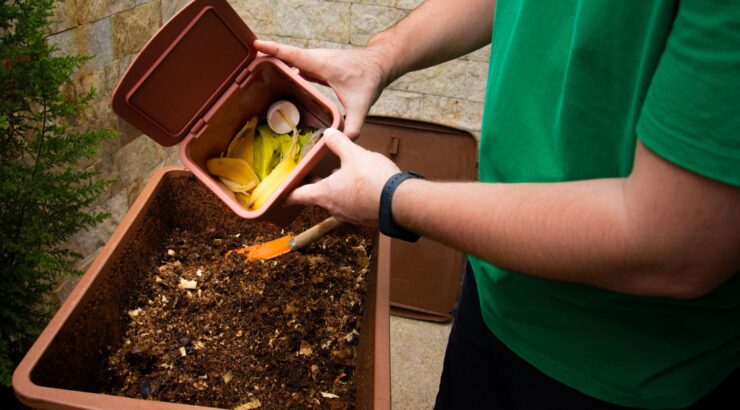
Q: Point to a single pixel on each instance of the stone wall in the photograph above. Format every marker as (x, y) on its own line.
(113, 31)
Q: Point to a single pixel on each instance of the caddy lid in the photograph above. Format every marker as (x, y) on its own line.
(184, 69)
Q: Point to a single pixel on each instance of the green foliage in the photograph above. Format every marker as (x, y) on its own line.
(45, 194)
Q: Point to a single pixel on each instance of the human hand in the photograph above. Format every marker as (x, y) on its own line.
(351, 193)
(358, 76)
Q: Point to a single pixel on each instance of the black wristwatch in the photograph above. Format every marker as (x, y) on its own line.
(385, 218)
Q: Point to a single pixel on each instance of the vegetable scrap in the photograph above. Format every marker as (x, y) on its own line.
(263, 154)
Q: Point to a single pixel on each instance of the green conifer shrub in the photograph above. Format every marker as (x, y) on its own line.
(46, 195)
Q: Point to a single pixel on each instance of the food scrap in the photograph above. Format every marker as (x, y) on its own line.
(263, 154)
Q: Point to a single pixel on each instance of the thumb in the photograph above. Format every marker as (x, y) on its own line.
(353, 121)
(293, 56)
(340, 144)
(357, 108)
(303, 195)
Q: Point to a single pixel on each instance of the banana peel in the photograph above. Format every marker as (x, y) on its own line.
(242, 146)
(243, 198)
(237, 187)
(270, 184)
(267, 151)
(258, 160)
(234, 169)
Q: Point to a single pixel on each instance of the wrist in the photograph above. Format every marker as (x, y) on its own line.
(387, 221)
(387, 56)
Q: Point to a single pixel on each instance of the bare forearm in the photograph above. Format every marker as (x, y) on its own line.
(556, 231)
(437, 31)
(586, 232)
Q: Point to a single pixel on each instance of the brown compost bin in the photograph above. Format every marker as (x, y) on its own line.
(61, 369)
(425, 275)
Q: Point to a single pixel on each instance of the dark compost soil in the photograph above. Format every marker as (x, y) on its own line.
(218, 331)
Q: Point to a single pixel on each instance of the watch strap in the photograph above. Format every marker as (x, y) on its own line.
(385, 217)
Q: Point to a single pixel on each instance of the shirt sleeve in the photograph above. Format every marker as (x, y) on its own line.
(691, 115)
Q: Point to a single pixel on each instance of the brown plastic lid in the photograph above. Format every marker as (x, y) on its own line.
(426, 275)
(184, 69)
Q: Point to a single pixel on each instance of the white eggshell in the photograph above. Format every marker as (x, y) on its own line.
(277, 122)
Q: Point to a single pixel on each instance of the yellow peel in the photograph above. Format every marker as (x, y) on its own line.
(234, 169)
(237, 187)
(242, 146)
(243, 198)
(270, 184)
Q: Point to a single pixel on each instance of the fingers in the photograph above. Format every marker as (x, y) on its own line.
(303, 195)
(268, 47)
(312, 78)
(340, 144)
(293, 56)
(357, 106)
(353, 121)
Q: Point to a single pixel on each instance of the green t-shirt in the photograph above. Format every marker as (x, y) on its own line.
(572, 84)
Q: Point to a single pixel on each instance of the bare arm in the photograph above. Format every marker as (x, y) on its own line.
(436, 31)
(662, 231)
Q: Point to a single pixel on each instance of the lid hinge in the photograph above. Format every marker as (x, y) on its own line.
(243, 75)
(198, 126)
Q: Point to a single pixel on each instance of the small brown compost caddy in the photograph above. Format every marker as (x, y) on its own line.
(62, 369)
(199, 80)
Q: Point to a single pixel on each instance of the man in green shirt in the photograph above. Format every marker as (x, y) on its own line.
(605, 227)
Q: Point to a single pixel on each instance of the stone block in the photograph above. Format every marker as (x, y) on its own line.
(476, 79)
(103, 79)
(171, 157)
(314, 19)
(386, 3)
(171, 7)
(66, 284)
(89, 241)
(327, 44)
(133, 28)
(368, 20)
(399, 104)
(482, 54)
(126, 131)
(291, 41)
(92, 39)
(71, 13)
(454, 112)
(457, 79)
(64, 16)
(408, 4)
(260, 15)
(136, 158)
(399, 4)
(443, 79)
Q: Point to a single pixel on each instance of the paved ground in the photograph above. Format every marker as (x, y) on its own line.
(417, 350)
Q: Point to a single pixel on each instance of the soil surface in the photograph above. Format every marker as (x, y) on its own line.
(219, 331)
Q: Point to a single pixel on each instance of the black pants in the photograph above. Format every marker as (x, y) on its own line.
(481, 373)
